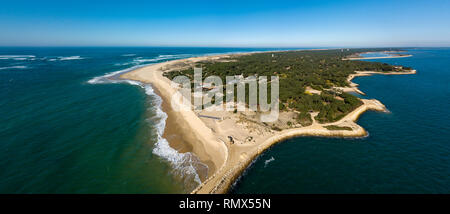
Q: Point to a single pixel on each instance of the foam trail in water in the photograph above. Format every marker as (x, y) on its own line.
(14, 67)
(162, 57)
(182, 162)
(70, 58)
(268, 161)
(64, 58)
(108, 78)
(17, 57)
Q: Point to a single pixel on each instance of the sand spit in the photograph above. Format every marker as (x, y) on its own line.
(208, 134)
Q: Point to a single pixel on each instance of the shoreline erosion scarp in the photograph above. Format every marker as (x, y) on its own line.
(207, 138)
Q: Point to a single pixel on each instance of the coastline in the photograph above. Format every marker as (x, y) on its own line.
(207, 139)
(354, 87)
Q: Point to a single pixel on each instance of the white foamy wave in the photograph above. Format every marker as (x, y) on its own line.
(69, 58)
(14, 67)
(162, 57)
(107, 78)
(65, 58)
(268, 161)
(184, 164)
(17, 57)
(141, 60)
(159, 58)
(126, 63)
(175, 55)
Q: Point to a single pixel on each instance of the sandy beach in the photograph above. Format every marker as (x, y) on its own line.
(207, 138)
(354, 87)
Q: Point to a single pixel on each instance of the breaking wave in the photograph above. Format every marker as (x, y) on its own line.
(70, 58)
(17, 57)
(109, 77)
(184, 165)
(162, 57)
(65, 58)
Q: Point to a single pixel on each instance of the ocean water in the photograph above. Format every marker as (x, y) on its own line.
(407, 150)
(66, 128)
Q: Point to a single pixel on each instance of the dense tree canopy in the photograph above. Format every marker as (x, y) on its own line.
(319, 69)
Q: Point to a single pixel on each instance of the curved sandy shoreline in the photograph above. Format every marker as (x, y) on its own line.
(240, 158)
(200, 137)
(354, 87)
(208, 138)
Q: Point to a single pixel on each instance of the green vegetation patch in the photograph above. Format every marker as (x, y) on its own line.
(304, 118)
(334, 127)
(319, 69)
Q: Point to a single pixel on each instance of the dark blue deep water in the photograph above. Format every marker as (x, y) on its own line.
(407, 151)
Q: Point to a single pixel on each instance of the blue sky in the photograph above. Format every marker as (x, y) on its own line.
(276, 23)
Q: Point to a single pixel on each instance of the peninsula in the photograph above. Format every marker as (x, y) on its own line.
(314, 101)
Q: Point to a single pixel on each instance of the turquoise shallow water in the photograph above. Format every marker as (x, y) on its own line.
(407, 150)
(65, 130)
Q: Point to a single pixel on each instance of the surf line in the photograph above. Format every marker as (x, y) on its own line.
(192, 204)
